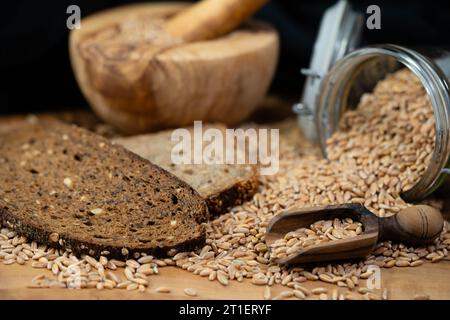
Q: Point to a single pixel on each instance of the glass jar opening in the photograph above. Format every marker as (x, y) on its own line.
(359, 72)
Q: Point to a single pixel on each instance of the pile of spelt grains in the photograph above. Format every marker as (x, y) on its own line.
(68, 270)
(319, 232)
(380, 149)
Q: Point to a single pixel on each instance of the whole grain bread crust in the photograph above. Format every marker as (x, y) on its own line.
(80, 247)
(235, 194)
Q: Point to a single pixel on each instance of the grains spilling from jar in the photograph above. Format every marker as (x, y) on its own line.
(319, 232)
(380, 149)
(385, 145)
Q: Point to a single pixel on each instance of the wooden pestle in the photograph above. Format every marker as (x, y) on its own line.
(209, 19)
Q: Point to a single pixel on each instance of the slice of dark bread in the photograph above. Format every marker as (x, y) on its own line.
(222, 186)
(67, 187)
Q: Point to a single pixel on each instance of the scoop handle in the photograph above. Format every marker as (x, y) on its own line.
(209, 19)
(416, 225)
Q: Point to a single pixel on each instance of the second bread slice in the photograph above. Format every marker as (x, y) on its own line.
(221, 185)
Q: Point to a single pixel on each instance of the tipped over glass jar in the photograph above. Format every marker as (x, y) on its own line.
(339, 75)
(358, 73)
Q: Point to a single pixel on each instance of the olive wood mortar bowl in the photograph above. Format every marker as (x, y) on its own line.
(138, 79)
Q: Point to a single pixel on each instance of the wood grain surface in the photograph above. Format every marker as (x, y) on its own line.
(403, 283)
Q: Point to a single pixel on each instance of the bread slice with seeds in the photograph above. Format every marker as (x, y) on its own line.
(67, 187)
(221, 185)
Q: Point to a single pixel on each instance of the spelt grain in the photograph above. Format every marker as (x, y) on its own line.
(284, 295)
(323, 296)
(163, 290)
(132, 286)
(319, 290)
(190, 292)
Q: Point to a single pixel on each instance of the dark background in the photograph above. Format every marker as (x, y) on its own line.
(36, 73)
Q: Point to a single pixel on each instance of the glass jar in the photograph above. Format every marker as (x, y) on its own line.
(359, 71)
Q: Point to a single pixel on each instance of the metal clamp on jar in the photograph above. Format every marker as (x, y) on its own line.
(351, 73)
(339, 33)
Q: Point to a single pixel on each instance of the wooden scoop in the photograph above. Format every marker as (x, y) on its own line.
(417, 225)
